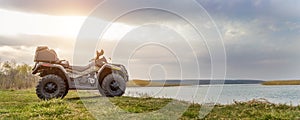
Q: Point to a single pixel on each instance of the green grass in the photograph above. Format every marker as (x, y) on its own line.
(282, 82)
(23, 104)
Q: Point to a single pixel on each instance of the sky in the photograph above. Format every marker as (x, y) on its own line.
(261, 38)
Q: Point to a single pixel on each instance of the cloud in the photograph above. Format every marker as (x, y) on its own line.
(263, 52)
(252, 8)
(17, 53)
(84, 8)
(52, 7)
(22, 47)
(261, 37)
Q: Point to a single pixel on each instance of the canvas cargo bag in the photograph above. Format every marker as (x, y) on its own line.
(43, 54)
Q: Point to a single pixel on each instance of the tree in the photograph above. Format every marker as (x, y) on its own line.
(13, 76)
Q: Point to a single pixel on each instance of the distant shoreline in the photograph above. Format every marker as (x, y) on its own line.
(170, 83)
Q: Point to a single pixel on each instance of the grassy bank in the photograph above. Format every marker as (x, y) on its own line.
(23, 104)
(282, 82)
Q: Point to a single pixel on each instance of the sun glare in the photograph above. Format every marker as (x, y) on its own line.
(14, 23)
(116, 31)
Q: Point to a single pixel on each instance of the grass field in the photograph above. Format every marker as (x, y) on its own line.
(23, 104)
(282, 82)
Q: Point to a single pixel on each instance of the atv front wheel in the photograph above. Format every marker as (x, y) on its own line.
(113, 85)
(51, 86)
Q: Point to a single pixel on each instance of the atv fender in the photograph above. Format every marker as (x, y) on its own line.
(42, 67)
(111, 68)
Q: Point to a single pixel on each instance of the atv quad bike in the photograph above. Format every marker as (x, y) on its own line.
(58, 77)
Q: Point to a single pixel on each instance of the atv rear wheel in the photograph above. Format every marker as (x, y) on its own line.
(113, 85)
(51, 86)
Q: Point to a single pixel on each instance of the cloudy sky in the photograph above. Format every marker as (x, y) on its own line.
(261, 37)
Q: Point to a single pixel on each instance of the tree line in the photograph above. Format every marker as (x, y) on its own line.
(16, 76)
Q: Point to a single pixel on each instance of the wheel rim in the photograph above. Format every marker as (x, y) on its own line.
(50, 87)
(114, 85)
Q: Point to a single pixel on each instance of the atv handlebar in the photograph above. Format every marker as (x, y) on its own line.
(98, 54)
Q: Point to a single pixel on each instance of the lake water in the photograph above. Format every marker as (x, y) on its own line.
(223, 94)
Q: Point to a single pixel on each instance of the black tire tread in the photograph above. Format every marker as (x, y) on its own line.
(54, 78)
(106, 81)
